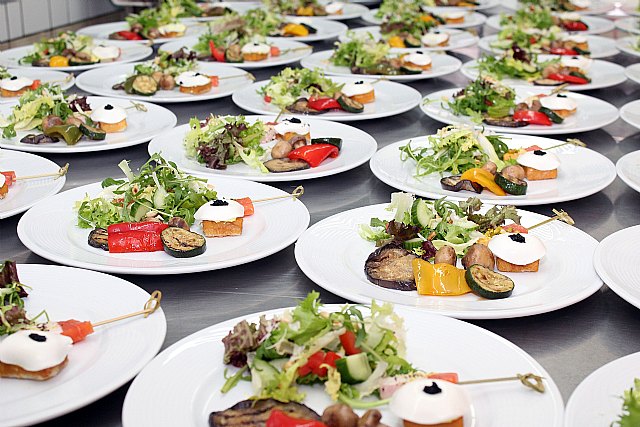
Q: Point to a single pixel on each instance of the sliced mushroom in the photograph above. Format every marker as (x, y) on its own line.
(491, 167)
(285, 165)
(340, 415)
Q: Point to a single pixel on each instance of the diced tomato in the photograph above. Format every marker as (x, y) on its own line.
(515, 228)
(10, 177)
(575, 26)
(348, 341)
(75, 329)
(247, 204)
(218, 54)
(215, 81)
(267, 98)
(533, 148)
(275, 51)
(313, 364)
(452, 377)
(35, 85)
(330, 358)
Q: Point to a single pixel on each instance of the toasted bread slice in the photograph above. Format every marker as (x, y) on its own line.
(455, 20)
(222, 228)
(114, 127)
(14, 371)
(505, 266)
(365, 98)
(253, 57)
(13, 93)
(537, 175)
(196, 90)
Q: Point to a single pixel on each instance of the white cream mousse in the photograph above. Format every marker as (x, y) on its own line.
(192, 79)
(334, 8)
(220, 211)
(106, 53)
(435, 39)
(570, 16)
(579, 62)
(35, 350)
(430, 402)
(175, 29)
(581, 4)
(15, 83)
(109, 114)
(575, 38)
(418, 59)
(259, 48)
(356, 88)
(292, 126)
(454, 16)
(517, 249)
(539, 159)
(559, 103)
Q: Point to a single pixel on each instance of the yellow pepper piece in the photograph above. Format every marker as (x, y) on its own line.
(439, 279)
(396, 41)
(305, 11)
(297, 30)
(484, 178)
(426, 18)
(58, 61)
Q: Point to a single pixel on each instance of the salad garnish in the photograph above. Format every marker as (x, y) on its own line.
(630, 416)
(69, 49)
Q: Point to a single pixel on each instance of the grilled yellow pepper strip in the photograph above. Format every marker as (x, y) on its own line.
(484, 178)
(439, 279)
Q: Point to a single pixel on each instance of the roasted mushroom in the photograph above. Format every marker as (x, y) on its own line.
(167, 82)
(391, 266)
(281, 150)
(446, 255)
(491, 167)
(340, 415)
(479, 254)
(513, 172)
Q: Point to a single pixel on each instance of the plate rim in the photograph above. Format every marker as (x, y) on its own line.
(623, 111)
(611, 50)
(608, 25)
(622, 175)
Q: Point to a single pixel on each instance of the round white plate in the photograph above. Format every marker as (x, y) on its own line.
(601, 47)
(472, 19)
(181, 386)
(602, 73)
(484, 4)
(391, 99)
(325, 30)
(273, 227)
(45, 75)
(102, 31)
(575, 162)
(628, 169)
(633, 72)
(292, 51)
(141, 127)
(101, 363)
(458, 39)
(596, 25)
(598, 7)
(592, 113)
(630, 113)
(617, 262)
(101, 81)
(442, 65)
(240, 7)
(628, 45)
(630, 7)
(350, 11)
(24, 194)
(563, 279)
(630, 24)
(597, 401)
(130, 52)
(357, 148)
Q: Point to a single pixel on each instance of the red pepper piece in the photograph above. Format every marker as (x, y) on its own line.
(218, 54)
(130, 35)
(532, 117)
(330, 359)
(151, 226)
(452, 377)
(574, 26)
(322, 104)
(314, 154)
(278, 418)
(348, 341)
(562, 51)
(75, 329)
(10, 177)
(134, 241)
(568, 78)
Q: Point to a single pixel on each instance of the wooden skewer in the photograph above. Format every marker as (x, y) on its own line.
(296, 49)
(560, 215)
(65, 80)
(529, 380)
(247, 75)
(152, 304)
(138, 106)
(61, 172)
(295, 194)
(559, 89)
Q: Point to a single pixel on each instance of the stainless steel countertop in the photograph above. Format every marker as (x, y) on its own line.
(570, 343)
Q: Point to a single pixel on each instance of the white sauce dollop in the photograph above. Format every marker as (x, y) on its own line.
(226, 213)
(570, 16)
(192, 79)
(288, 126)
(334, 7)
(582, 4)
(576, 62)
(546, 162)
(411, 403)
(106, 52)
(172, 28)
(260, 48)
(420, 59)
(558, 103)
(576, 38)
(109, 114)
(15, 84)
(33, 355)
(454, 15)
(357, 88)
(434, 39)
(504, 247)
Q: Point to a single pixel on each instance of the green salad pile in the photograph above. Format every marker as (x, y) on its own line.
(533, 16)
(630, 416)
(172, 63)
(4, 73)
(292, 83)
(55, 46)
(360, 52)
(515, 63)
(530, 40)
(150, 19)
(483, 96)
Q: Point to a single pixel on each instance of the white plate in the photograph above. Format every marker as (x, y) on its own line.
(141, 127)
(129, 52)
(633, 72)
(564, 277)
(350, 11)
(575, 162)
(102, 31)
(484, 4)
(628, 168)
(288, 55)
(630, 24)
(598, 7)
(24, 194)
(103, 362)
(602, 73)
(630, 113)
(273, 227)
(101, 81)
(240, 7)
(596, 25)
(391, 99)
(601, 47)
(442, 65)
(630, 7)
(627, 45)
(617, 262)
(326, 29)
(597, 401)
(181, 386)
(458, 39)
(357, 148)
(45, 75)
(473, 19)
(592, 113)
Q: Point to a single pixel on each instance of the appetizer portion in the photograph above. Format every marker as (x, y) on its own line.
(193, 9)
(305, 91)
(305, 7)
(14, 86)
(283, 146)
(562, 5)
(155, 23)
(70, 49)
(261, 22)
(543, 18)
(234, 46)
(543, 41)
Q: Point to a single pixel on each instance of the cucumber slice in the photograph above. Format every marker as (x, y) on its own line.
(93, 133)
(421, 213)
(139, 211)
(516, 187)
(487, 283)
(412, 244)
(354, 369)
(262, 374)
(349, 105)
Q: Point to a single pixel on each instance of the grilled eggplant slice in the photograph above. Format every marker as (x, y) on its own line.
(391, 267)
(181, 243)
(454, 183)
(256, 412)
(285, 165)
(99, 238)
(301, 106)
(505, 122)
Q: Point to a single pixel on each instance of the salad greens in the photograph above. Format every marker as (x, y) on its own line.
(4, 73)
(531, 39)
(150, 19)
(533, 16)
(172, 63)
(55, 46)
(292, 83)
(514, 63)
(277, 351)
(159, 188)
(483, 96)
(455, 149)
(360, 52)
(225, 140)
(630, 416)
(13, 316)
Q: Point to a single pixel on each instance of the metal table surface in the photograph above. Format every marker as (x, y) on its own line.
(570, 343)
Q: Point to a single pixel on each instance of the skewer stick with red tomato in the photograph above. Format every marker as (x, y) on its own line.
(10, 178)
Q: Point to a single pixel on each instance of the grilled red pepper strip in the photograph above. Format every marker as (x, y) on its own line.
(130, 35)
(151, 226)
(575, 80)
(314, 154)
(575, 26)
(134, 241)
(532, 117)
(278, 418)
(218, 54)
(322, 104)
(562, 51)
